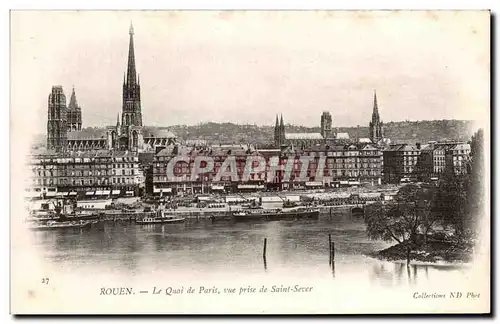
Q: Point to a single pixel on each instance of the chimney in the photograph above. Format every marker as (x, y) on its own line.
(418, 146)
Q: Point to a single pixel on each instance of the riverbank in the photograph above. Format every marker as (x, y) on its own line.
(436, 251)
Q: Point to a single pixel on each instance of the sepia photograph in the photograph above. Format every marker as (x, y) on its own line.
(250, 162)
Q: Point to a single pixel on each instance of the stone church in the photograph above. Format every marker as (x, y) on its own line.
(64, 124)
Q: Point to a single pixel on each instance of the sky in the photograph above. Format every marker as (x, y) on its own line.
(246, 67)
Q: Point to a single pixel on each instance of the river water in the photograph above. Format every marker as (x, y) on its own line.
(214, 250)
(211, 257)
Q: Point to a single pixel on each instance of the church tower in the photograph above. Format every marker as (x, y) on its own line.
(376, 125)
(56, 120)
(131, 109)
(326, 125)
(276, 132)
(74, 114)
(127, 135)
(281, 136)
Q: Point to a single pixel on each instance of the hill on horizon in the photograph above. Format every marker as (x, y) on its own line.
(399, 132)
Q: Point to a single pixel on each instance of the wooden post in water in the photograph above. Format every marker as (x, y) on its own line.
(332, 257)
(330, 248)
(264, 253)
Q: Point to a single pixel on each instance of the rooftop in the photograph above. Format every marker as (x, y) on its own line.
(303, 136)
(160, 133)
(94, 134)
(342, 135)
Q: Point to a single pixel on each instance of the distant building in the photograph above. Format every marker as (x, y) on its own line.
(438, 158)
(342, 136)
(400, 162)
(431, 164)
(457, 159)
(303, 140)
(326, 134)
(376, 125)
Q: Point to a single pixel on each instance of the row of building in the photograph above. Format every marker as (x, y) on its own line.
(112, 172)
(85, 174)
(121, 160)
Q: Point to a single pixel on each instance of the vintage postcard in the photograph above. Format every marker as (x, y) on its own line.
(250, 162)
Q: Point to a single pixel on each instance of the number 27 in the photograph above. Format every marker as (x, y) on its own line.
(45, 281)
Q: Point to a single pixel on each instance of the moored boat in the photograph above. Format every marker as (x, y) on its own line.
(160, 217)
(65, 224)
(275, 214)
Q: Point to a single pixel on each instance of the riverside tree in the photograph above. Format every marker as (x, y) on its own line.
(460, 197)
(403, 219)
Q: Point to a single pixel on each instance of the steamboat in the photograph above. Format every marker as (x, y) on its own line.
(160, 217)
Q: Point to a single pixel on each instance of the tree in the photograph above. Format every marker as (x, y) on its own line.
(460, 198)
(475, 190)
(451, 202)
(403, 219)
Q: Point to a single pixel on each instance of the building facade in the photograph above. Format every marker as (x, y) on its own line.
(95, 174)
(334, 166)
(327, 166)
(400, 163)
(457, 159)
(431, 163)
(205, 182)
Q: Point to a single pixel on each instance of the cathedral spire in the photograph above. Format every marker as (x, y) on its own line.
(375, 104)
(72, 101)
(376, 126)
(131, 75)
(131, 108)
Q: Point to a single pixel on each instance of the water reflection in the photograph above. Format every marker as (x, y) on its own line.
(298, 248)
(398, 273)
